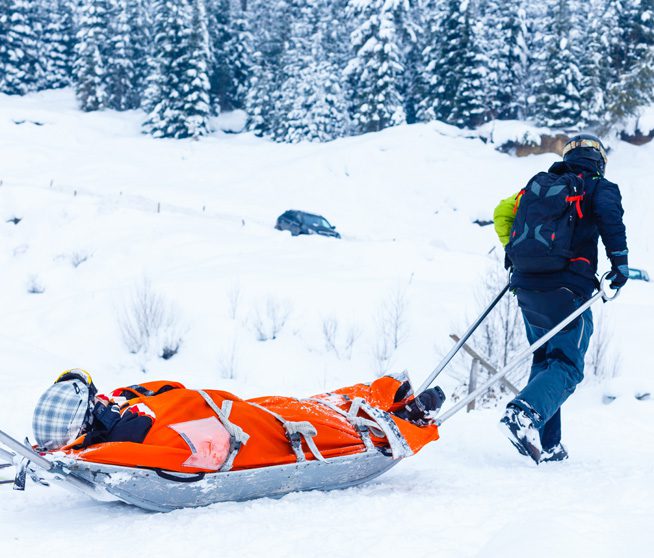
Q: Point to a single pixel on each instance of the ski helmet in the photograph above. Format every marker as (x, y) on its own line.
(64, 411)
(585, 146)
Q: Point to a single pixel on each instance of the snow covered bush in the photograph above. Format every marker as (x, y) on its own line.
(602, 359)
(270, 318)
(233, 300)
(340, 344)
(78, 257)
(149, 324)
(228, 360)
(392, 328)
(35, 285)
(499, 339)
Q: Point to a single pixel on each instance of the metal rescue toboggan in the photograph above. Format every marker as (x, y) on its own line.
(163, 491)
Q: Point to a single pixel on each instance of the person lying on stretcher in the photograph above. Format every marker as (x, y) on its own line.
(165, 425)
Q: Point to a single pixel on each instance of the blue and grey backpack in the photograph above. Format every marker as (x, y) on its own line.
(547, 211)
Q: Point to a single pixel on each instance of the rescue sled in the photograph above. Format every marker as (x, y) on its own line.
(161, 491)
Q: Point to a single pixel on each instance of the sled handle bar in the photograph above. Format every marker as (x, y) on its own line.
(24, 451)
(601, 294)
(454, 350)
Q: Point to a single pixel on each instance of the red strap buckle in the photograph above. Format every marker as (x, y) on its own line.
(577, 200)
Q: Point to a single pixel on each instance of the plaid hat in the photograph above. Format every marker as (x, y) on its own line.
(61, 413)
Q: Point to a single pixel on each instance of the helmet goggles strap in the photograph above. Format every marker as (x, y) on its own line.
(593, 144)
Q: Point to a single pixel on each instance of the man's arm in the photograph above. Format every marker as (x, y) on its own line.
(608, 214)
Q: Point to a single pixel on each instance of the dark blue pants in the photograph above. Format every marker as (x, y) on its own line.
(558, 366)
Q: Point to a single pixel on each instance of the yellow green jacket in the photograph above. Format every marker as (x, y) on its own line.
(503, 217)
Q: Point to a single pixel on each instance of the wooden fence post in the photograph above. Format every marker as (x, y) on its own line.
(472, 383)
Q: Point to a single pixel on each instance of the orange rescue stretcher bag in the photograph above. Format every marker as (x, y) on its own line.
(208, 446)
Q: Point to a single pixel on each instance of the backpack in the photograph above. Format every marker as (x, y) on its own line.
(547, 211)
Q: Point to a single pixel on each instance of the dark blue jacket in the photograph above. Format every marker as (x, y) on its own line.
(602, 210)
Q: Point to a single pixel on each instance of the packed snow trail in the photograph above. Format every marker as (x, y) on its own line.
(469, 494)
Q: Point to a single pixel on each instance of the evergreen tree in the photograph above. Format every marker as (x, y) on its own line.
(632, 58)
(20, 70)
(427, 90)
(594, 63)
(559, 97)
(89, 66)
(311, 105)
(232, 50)
(456, 69)
(56, 44)
(195, 75)
(507, 52)
(271, 28)
(336, 29)
(181, 108)
(140, 47)
(376, 70)
(119, 75)
(412, 82)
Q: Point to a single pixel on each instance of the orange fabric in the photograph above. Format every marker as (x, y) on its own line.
(164, 448)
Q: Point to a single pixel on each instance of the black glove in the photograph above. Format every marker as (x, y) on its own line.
(423, 408)
(508, 264)
(619, 269)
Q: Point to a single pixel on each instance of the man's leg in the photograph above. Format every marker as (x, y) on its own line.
(532, 420)
(550, 432)
(516, 423)
(546, 392)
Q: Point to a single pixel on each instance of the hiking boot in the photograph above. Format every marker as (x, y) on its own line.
(520, 431)
(557, 453)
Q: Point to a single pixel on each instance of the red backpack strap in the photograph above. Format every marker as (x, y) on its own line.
(517, 200)
(577, 200)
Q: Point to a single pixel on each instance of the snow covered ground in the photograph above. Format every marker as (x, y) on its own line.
(103, 208)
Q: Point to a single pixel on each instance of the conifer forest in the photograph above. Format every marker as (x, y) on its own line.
(315, 70)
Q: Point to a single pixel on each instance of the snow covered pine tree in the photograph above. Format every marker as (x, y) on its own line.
(181, 93)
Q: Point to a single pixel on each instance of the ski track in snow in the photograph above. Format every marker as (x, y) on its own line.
(404, 200)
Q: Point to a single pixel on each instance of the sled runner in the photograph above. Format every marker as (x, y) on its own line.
(161, 491)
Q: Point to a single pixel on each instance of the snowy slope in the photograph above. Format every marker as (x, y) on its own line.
(196, 219)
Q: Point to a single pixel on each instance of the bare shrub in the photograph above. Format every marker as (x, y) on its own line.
(392, 328)
(77, 258)
(382, 353)
(233, 300)
(329, 333)
(269, 320)
(351, 337)
(341, 346)
(228, 361)
(602, 359)
(35, 285)
(148, 323)
(500, 338)
(393, 316)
